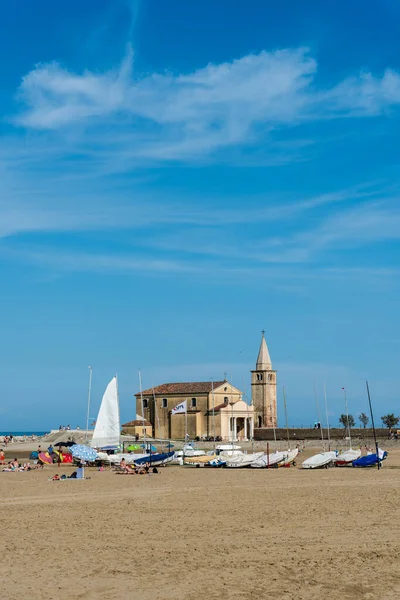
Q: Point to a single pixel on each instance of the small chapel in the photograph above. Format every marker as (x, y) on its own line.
(213, 408)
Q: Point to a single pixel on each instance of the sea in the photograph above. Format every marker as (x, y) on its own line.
(21, 433)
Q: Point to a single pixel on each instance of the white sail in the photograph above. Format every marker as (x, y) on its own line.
(107, 429)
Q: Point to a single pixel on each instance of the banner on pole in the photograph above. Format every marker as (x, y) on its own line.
(181, 408)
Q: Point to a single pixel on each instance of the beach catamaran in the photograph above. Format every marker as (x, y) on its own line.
(107, 433)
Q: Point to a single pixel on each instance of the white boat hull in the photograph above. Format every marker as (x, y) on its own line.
(243, 460)
(347, 457)
(319, 461)
(268, 460)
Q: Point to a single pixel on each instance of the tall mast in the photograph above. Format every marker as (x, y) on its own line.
(119, 420)
(144, 420)
(88, 403)
(327, 419)
(373, 426)
(156, 418)
(319, 416)
(287, 426)
(347, 415)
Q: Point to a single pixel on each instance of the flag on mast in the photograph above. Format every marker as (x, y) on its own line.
(181, 408)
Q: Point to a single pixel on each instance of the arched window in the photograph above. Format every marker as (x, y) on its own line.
(226, 400)
(260, 421)
(164, 403)
(270, 377)
(145, 403)
(194, 402)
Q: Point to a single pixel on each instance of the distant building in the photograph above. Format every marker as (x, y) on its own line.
(263, 389)
(138, 427)
(214, 408)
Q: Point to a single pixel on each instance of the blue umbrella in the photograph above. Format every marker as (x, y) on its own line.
(152, 448)
(83, 452)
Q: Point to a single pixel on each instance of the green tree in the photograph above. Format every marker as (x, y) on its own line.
(363, 419)
(390, 420)
(347, 421)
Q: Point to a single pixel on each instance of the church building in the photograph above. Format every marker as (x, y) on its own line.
(263, 389)
(211, 408)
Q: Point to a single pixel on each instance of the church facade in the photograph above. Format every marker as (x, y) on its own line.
(213, 408)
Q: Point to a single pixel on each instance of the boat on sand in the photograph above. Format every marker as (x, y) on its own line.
(268, 460)
(347, 457)
(320, 461)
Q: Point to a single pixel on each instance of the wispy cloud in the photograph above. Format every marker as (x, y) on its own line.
(67, 168)
(180, 116)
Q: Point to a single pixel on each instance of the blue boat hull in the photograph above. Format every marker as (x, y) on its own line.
(368, 461)
(156, 459)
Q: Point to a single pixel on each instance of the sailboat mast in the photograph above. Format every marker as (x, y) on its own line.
(373, 427)
(287, 426)
(319, 415)
(347, 416)
(88, 403)
(156, 418)
(327, 420)
(186, 421)
(143, 419)
(119, 419)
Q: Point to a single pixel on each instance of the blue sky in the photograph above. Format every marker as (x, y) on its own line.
(175, 177)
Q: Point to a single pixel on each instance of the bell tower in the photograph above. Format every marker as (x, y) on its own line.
(263, 389)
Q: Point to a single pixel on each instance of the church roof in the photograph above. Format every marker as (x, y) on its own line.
(263, 360)
(191, 387)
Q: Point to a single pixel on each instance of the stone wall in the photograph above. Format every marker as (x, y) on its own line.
(264, 433)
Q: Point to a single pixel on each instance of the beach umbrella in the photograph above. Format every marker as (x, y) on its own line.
(152, 448)
(83, 452)
(45, 457)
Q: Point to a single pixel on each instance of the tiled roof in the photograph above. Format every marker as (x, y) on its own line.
(192, 387)
(218, 407)
(136, 423)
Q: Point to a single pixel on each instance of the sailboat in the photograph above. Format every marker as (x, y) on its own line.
(347, 457)
(107, 433)
(290, 455)
(322, 459)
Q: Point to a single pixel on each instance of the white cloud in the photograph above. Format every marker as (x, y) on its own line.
(179, 116)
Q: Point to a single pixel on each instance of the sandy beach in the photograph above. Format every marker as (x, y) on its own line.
(197, 533)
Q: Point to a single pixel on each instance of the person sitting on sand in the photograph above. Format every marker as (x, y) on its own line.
(16, 463)
(55, 477)
(126, 468)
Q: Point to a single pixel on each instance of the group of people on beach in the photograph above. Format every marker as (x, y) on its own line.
(15, 465)
(135, 470)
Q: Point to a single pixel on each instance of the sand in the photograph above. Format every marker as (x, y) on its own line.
(195, 533)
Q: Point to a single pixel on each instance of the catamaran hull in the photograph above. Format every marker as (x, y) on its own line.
(243, 461)
(369, 461)
(290, 457)
(266, 461)
(347, 458)
(319, 461)
(156, 460)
